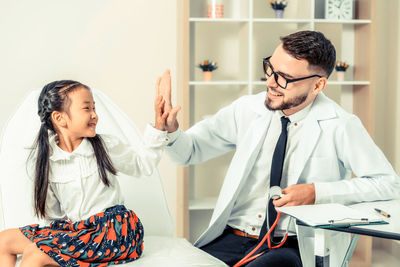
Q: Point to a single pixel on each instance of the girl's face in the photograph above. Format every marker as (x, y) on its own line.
(81, 117)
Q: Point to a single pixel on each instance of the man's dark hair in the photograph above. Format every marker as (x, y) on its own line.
(313, 47)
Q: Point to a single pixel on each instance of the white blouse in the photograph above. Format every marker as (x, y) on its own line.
(76, 190)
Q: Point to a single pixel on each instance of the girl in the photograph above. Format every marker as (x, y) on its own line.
(76, 186)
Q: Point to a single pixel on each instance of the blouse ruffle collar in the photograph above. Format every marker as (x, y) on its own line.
(84, 149)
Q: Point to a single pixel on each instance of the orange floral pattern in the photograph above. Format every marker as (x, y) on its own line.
(111, 237)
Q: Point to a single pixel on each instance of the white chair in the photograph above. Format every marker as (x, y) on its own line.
(144, 195)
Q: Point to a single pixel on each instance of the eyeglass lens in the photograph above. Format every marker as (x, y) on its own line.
(282, 82)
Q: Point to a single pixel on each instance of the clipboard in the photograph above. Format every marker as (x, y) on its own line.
(331, 215)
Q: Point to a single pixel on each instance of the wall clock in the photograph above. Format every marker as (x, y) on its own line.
(339, 9)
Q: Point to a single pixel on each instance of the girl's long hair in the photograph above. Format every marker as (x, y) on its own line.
(53, 97)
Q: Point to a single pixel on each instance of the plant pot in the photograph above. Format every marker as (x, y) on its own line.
(207, 76)
(340, 75)
(278, 13)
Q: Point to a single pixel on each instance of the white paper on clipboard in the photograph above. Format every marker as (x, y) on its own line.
(332, 214)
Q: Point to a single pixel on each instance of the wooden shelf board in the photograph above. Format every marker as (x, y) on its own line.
(274, 20)
(342, 21)
(219, 83)
(349, 82)
(207, 203)
(329, 82)
(217, 20)
(269, 20)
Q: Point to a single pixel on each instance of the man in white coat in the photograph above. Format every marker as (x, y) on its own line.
(324, 146)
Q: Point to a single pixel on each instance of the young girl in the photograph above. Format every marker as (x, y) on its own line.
(76, 187)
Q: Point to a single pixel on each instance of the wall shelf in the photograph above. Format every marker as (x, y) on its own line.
(218, 20)
(274, 20)
(349, 82)
(329, 82)
(350, 21)
(207, 203)
(212, 83)
(269, 20)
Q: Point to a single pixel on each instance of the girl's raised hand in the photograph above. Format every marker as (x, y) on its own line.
(163, 88)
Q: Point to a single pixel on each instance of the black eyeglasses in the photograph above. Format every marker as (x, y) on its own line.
(279, 79)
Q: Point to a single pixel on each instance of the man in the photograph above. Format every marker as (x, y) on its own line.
(293, 136)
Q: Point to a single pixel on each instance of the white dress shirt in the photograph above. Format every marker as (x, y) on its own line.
(249, 211)
(76, 190)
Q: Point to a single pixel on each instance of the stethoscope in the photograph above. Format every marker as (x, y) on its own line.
(275, 192)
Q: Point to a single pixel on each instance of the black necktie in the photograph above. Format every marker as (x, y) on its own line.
(276, 174)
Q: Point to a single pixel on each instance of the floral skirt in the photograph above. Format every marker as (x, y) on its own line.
(111, 237)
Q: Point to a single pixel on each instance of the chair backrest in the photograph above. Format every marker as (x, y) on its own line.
(144, 195)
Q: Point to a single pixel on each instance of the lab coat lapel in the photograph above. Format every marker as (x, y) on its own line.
(321, 110)
(242, 163)
(240, 167)
(256, 136)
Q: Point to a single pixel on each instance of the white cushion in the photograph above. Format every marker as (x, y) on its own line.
(173, 252)
(166, 251)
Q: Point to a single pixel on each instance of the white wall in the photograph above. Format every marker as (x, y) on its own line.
(397, 96)
(117, 46)
(387, 125)
(387, 113)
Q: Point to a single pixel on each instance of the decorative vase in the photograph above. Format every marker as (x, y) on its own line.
(278, 13)
(207, 75)
(340, 75)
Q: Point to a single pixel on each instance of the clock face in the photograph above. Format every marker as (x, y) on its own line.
(339, 9)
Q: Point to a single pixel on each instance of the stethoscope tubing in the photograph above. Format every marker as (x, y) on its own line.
(249, 257)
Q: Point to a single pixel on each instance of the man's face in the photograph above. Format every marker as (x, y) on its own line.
(297, 95)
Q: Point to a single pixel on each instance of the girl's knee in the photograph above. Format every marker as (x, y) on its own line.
(12, 241)
(33, 254)
(3, 242)
(29, 250)
(6, 239)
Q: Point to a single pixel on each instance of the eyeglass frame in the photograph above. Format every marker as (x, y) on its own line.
(266, 62)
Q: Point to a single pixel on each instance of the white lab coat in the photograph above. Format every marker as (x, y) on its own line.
(335, 145)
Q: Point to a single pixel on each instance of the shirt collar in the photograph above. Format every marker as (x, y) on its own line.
(56, 153)
(299, 115)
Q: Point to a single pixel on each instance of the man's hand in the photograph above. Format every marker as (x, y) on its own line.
(298, 194)
(163, 89)
(161, 115)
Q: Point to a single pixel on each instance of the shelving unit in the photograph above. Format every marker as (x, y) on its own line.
(238, 42)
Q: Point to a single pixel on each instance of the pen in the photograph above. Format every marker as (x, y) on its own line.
(387, 215)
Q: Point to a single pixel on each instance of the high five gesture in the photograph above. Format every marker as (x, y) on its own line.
(163, 89)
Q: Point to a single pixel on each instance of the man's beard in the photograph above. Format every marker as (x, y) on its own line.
(294, 102)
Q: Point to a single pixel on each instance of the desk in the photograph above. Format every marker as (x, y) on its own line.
(323, 242)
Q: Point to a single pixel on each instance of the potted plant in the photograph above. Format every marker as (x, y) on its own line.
(340, 67)
(278, 6)
(208, 66)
